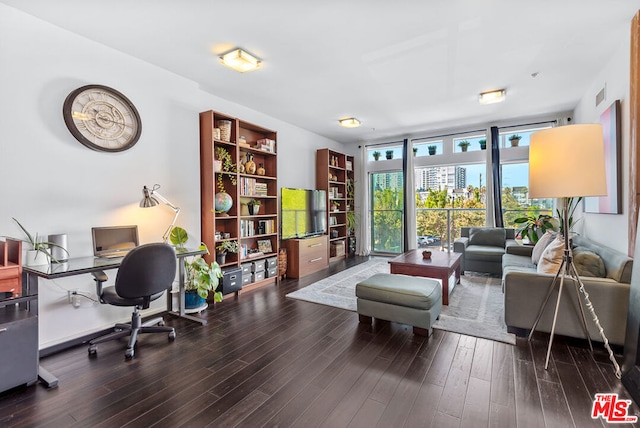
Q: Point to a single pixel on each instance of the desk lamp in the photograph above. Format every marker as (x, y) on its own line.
(564, 162)
(150, 199)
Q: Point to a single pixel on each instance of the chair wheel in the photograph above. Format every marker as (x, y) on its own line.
(172, 335)
(93, 350)
(128, 354)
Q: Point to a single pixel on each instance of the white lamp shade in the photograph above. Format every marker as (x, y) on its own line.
(567, 161)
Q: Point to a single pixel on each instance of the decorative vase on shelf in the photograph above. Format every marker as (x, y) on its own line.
(225, 130)
(250, 165)
(223, 202)
(260, 170)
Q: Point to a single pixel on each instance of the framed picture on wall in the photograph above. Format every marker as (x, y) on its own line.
(612, 203)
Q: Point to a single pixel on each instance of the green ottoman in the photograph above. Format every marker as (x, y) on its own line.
(404, 299)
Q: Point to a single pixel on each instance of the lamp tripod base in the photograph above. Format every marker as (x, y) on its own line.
(567, 269)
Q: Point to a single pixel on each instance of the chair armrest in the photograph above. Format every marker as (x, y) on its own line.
(460, 244)
(99, 277)
(519, 250)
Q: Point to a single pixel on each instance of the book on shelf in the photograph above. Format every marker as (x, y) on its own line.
(251, 187)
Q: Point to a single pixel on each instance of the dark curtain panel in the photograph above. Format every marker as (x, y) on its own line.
(405, 171)
(497, 179)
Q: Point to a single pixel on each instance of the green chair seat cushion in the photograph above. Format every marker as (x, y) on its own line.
(484, 253)
(401, 290)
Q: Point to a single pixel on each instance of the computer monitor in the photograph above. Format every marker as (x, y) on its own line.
(114, 241)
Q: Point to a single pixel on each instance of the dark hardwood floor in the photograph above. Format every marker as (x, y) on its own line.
(264, 360)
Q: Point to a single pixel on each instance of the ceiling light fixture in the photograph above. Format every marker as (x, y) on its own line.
(349, 122)
(491, 97)
(240, 60)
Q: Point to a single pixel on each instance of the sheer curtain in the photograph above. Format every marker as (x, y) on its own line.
(362, 188)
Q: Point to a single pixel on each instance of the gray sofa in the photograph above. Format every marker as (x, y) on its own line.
(482, 248)
(525, 290)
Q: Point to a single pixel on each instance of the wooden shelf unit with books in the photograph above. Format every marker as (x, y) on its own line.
(335, 174)
(253, 231)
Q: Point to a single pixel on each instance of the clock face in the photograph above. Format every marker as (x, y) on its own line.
(102, 118)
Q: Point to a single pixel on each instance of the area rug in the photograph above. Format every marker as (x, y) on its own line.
(476, 305)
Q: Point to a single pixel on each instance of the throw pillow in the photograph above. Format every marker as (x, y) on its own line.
(540, 246)
(588, 263)
(551, 258)
(493, 237)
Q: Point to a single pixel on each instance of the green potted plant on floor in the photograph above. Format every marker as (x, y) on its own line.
(464, 145)
(201, 278)
(376, 155)
(226, 247)
(515, 140)
(40, 253)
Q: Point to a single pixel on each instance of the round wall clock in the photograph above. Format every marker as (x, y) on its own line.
(102, 118)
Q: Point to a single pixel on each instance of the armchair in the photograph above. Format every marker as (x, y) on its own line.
(144, 275)
(482, 248)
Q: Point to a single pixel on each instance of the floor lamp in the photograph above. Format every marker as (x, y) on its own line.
(564, 162)
(150, 199)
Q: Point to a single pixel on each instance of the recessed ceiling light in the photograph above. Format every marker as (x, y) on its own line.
(240, 60)
(349, 122)
(491, 97)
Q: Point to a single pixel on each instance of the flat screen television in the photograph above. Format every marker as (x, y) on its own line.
(303, 213)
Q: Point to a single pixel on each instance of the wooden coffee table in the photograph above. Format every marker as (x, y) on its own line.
(440, 266)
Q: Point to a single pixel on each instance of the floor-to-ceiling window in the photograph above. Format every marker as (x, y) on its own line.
(386, 198)
(452, 175)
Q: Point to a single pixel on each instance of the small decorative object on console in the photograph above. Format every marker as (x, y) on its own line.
(426, 254)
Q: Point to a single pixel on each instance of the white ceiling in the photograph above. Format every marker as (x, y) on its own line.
(399, 67)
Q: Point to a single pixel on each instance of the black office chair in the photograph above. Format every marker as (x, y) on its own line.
(144, 275)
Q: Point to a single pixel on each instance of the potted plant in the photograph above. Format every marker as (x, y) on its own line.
(39, 254)
(389, 154)
(432, 150)
(335, 205)
(201, 278)
(376, 155)
(464, 144)
(533, 227)
(572, 204)
(226, 247)
(254, 206)
(178, 237)
(415, 151)
(483, 144)
(515, 140)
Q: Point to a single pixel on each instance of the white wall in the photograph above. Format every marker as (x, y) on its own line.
(53, 184)
(610, 229)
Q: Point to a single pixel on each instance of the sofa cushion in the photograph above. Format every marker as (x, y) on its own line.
(588, 263)
(551, 258)
(541, 245)
(492, 237)
(484, 253)
(513, 260)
